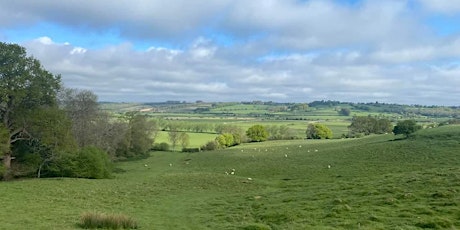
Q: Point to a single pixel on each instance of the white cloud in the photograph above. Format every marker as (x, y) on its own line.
(442, 6)
(231, 50)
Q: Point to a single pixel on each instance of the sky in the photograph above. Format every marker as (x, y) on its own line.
(392, 51)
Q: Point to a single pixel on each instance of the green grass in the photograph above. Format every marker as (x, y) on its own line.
(374, 182)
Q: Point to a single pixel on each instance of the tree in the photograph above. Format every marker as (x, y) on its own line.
(406, 127)
(25, 86)
(137, 138)
(368, 125)
(257, 133)
(318, 131)
(52, 136)
(174, 135)
(344, 111)
(184, 140)
(83, 110)
(225, 140)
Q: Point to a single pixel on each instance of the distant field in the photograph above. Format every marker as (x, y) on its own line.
(375, 182)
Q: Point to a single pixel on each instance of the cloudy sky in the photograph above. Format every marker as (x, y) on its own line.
(393, 51)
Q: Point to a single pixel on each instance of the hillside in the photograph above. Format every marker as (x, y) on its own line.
(375, 182)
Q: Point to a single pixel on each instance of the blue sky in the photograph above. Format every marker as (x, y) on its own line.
(395, 51)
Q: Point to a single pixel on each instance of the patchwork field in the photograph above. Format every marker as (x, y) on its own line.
(375, 182)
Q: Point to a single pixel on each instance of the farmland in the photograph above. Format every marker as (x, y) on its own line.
(295, 116)
(375, 182)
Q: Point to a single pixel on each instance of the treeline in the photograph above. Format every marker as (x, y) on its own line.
(48, 130)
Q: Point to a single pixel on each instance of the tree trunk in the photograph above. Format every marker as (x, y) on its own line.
(7, 166)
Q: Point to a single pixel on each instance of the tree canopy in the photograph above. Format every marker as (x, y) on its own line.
(406, 127)
(318, 131)
(257, 133)
(25, 88)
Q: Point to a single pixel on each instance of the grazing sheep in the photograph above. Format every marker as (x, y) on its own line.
(285, 155)
(170, 165)
(145, 165)
(329, 166)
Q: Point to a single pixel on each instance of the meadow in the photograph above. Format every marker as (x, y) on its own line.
(375, 182)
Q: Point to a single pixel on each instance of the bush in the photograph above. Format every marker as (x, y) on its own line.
(257, 133)
(163, 146)
(211, 145)
(110, 221)
(191, 150)
(93, 163)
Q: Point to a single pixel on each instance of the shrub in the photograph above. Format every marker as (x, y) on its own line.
(225, 140)
(211, 145)
(163, 146)
(92, 162)
(110, 221)
(191, 150)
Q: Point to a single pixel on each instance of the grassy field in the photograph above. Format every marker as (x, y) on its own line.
(375, 182)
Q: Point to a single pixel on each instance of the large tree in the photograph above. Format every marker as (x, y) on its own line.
(318, 131)
(257, 133)
(25, 87)
(406, 127)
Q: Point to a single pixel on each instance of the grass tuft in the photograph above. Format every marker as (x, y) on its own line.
(109, 221)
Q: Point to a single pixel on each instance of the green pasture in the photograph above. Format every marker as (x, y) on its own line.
(376, 182)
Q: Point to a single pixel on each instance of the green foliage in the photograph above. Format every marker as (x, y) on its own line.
(25, 87)
(368, 125)
(406, 127)
(4, 139)
(257, 133)
(110, 221)
(318, 131)
(163, 146)
(137, 139)
(281, 132)
(211, 145)
(93, 163)
(191, 150)
(184, 139)
(225, 140)
(140, 134)
(344, 112)
(2, 171)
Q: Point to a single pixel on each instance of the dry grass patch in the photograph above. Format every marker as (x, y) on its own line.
(110, 221)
